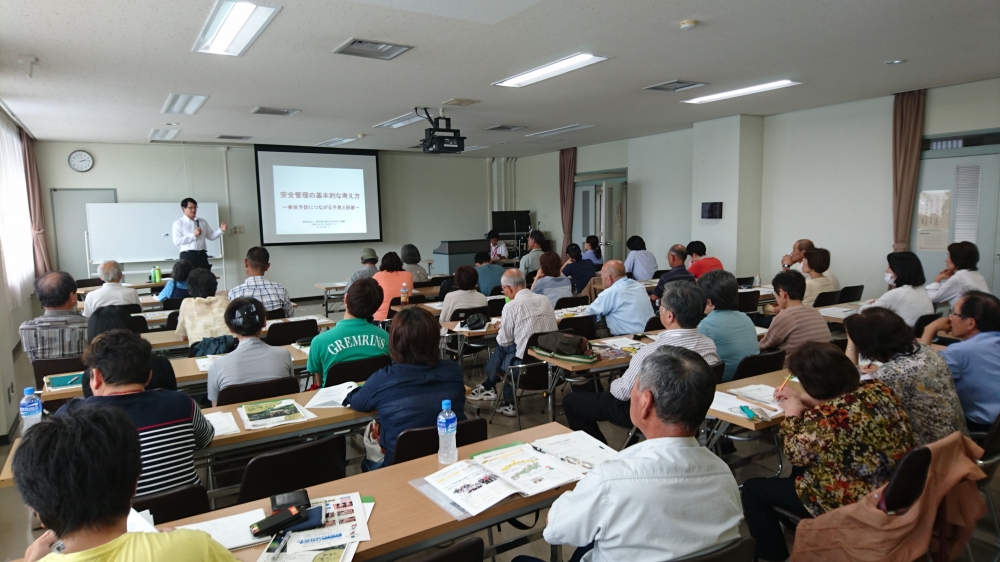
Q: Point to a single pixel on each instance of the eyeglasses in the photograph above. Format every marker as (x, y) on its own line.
(192, 207)
(953, 313)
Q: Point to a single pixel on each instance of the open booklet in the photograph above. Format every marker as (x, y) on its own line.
(262, 415)
(331, 396)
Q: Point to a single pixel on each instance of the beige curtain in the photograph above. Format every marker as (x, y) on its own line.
(567, 171)
(907, 132)
(42, 262)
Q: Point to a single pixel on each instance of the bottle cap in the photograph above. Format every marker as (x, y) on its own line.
(30, 391)
(446, 404)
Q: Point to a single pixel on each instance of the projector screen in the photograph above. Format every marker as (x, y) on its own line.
(309, 195)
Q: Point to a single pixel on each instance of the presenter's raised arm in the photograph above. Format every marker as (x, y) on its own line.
(217, 233)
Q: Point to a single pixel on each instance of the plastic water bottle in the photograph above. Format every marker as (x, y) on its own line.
(447, 427)
(756, 280)
(31, 411)
(404, 294)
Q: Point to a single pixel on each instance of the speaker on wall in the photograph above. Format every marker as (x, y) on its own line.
(711, 210)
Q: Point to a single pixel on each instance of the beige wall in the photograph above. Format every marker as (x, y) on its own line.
(964, 107)
(659, 190)
(537, 190)
(604, 156)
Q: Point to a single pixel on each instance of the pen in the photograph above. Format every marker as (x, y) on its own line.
(786, 382)
(73, 380)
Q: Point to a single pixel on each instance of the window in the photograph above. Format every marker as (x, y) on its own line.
(15, 218)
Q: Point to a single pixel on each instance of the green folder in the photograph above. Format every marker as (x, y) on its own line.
(63, 381)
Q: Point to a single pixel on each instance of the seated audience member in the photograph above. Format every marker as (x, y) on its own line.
(529, 262)
(909, 299)
(391, 277)
(352, 338)
(815, 262)
(959, 276)
(60, 331)
(579, 269)
(171, 427)
(638, 505)
(369, 263)
(640, 262)
(408, 393)
(974, 362)
(793, 261)
(677, 271)
(111, 292)
(842, 439)
(525, 314)
(592, 250)
(489, 273)
(272, 295)
(498, 250)
(623, 302)
(85, 508)
(732, 331)
(252, 360)
(682, 306)
(794, 324)
(549, 281)
(700, 263)
(411, 262)
(202, 316)
(176, 287)
(109, 318)
(917, 374)
(466, 296)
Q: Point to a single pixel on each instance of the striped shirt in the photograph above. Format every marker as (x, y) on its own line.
(272, 295)
(527, 314)
(687, 338)
(171, 428)
(793, 327)
(57, 334)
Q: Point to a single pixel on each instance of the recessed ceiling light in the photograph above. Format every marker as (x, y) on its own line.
(163, 134)
(475, 147)
(895, 61)
(233, 137)
(561, 66)
(171, 124)
(233, 26)
(559, 131)
(183, 103)
(675, 86)
(505, 127)
(274, 111)
(370, 49)
(401, 121)
(744, 91)
(336, 142)
(461, 102)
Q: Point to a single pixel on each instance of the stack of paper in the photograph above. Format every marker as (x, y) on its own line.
(158, 315)
(570, 312)
(729, 403)
(205, 362)
(760, 330)
(323, 544)
(331, 396)
(232, 532)
(434, 305)
(273, 413)
(837, 311)
(627, 345)
(139, 522)
(302, 348)
(223, 422)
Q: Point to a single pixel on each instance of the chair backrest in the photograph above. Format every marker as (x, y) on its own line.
(991, 443)
(852, 293)
(720, 370)
(922, 322)
(172, 303)
(176, 503)
(659, 273)
(571, 302)
(466, 550)
(414, 299)
(248, 392)
(748, 301)
(585, 326)
(355, 371)
(537, 377)
(428, 283)
(753, 365)
(46, 367)
(496, 291)
(841, 343)
(653, 324)
(130, 308)
(293, 468)
(463, 313)
(826, 299)
(740, 550)
(423, 441)
(437, 280)
(496, 306)
(96, 282)
(287, 333)
(140, 325)
(907, 481)
(530, 277)
(275, 314)
(744, 281)
(171, 323)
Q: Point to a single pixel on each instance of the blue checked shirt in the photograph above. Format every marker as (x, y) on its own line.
(272, 295)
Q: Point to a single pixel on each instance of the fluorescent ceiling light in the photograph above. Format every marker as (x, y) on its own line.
(163, 134)
(336, 142)
(233, 26)
(401, 121)
(744, 91)
(475, 147)
(559, 131)
(183, 103)
(561, 66)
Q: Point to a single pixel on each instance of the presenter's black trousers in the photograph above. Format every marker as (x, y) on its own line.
(198, 258)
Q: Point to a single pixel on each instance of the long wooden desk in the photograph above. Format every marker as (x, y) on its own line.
(404, 520)
(168, 339)
(148, 302)
(837, 319)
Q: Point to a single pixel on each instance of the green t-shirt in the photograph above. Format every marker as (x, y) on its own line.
(349, 340)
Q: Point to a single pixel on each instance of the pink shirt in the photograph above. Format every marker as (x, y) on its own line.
(391, 282)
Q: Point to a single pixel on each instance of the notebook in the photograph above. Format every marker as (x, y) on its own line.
(232, 532)
(63, 381)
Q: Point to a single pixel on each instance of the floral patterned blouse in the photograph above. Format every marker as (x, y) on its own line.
(848, 446)
(202, 318)
(922, 382)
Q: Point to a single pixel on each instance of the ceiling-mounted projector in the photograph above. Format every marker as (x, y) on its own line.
(440, 138)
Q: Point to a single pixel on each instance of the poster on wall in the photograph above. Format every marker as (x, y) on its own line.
(934, 210)
(932, 240)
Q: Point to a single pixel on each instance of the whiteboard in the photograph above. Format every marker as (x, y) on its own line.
(140, 232)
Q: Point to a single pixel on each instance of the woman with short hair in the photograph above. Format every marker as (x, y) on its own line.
(959, 276)
(465, 295)
(733, 332)
(202, 316)
(549, 281)
(917, 374)
(579, 269)
(814, 264)
(176, 286)
(411, 263)
(391, 277)
(909, 298)
(640, 262)
(408, 393)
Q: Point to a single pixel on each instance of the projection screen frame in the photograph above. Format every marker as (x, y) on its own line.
(315, 150)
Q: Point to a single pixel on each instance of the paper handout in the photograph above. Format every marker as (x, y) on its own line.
(223, 422)
(578, 450)
(343, 524)
(530, 471)
(471, 486)
(232, 532)
(261, 415)
(331, 396)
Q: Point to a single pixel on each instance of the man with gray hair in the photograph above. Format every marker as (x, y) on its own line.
(666, 497)
(681, 309)
(112, 292)
(527, 313)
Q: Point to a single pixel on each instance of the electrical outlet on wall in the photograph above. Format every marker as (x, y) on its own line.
(238, 230)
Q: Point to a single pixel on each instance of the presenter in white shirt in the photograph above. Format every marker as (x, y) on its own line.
(190, 233)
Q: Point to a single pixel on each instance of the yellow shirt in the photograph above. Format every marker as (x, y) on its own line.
(182, 544)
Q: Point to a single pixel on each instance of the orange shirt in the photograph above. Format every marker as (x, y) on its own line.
(704, 265)
(391, 282)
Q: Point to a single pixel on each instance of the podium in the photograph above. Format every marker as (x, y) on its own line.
(452, 254)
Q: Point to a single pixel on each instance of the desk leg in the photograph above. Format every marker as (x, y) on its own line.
(717, 433)
(326, 298)
(555, 553)
(552, 393)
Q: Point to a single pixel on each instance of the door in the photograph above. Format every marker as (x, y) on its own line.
(972, 184)
(584, 213)
(69, 223)
(611, 205)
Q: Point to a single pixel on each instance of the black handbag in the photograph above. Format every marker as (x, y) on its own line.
(477, 321)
